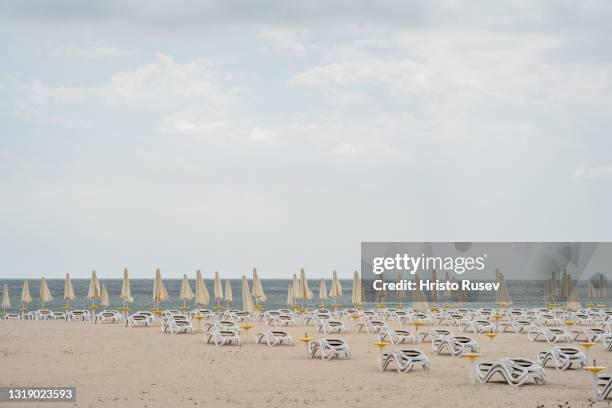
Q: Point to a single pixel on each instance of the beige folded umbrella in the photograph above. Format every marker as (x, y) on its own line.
(159, 290)
(295, 288)
(419, 299)
(566, 285)
(573, 300)
(6, 301)
(603, 293)
(229, 297)
(247, 300)
(201, 294)
(186, 292)
(45, 294)
(290, 295)
(356, 297)
(502, 296)
(68, 290)
(25, 295)
(104, 298)
(548, 294)
(258, 292)
(218, 290)
(336, 289)
(94, 291)
(322, 292)
(590, 290)
(126, 292)
(434, 293)
(401, 294)
(304, 288)
(380, 295)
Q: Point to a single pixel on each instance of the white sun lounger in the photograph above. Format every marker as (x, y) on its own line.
(477, 326)
(404, 360)
(138, 320)
(396, 336)
(602, 385)
(371, 326)
(274, 338)
(433, 334)
(79, 315)
(107, 316)
(515, 326)
(177, 324)
(588, 334)
(454, 345)
(549, 335)
(329, 349)
(562, 358)
(508, 371)
(330, 326)
(222, 337)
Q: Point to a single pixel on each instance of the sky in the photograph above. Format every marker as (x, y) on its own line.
(229, 135)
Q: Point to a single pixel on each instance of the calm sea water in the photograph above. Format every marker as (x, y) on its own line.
(524, 293)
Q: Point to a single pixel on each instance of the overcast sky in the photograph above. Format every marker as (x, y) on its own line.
(277, 134)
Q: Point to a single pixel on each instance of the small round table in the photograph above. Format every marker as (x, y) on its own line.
(306, 340)
(246, 328)
(472, 357)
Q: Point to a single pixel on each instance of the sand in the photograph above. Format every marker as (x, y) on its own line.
(115, 366)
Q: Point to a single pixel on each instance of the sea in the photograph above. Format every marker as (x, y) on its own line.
(524, 293)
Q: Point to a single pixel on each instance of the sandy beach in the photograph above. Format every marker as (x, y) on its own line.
(115, 366)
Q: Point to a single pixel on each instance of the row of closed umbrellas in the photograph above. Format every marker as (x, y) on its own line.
(298, 290)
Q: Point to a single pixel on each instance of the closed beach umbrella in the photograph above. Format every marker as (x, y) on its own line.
(573, 300)
(603, 293)
(45, 294)
(218, 289)
(126, 292)
(448, 293)
(6, 302)
(502, 296)
(186, 292)
(590, 291)
(25, 295)
(356, 298)
(159, 290)
(419, 299)
(295, 288)
(434, 293)
(258, 292)
(336, 289)
(304, 289)
(290, 295)
(401, 294)
(247, 300)
(548, 296)
(201, 295)
(229, 297)
(322, 291)
(94, 291)
(553, 285)
(104, 298)
(565, 285)
(68, 290)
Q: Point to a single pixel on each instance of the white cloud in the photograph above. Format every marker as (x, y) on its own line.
(91, 51)
(262, 135)
(167, 82)
(593, 172)
(287, 40)
(368, 152)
